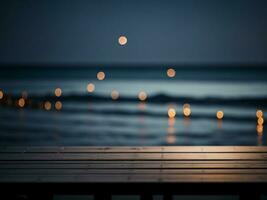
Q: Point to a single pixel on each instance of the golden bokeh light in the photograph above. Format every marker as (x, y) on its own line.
(122, 40)
(58, 105)
(259, 113)
(90, 87)
(219, 114)
(260, 121)
(47, 105)
(1, 94)
(142, 96)
(259, 129)
(171, 112)
(21, 102)
(58, 92)
(187, 111)
(100, 75)
(171, 73)
(114, 94)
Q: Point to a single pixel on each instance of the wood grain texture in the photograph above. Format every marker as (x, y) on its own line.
(198, 164)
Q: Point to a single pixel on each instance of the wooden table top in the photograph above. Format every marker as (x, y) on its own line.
(181, 164)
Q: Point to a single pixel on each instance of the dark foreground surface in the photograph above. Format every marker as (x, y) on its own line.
(145, 171)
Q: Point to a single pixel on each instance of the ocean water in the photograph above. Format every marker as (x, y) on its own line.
(94, 119)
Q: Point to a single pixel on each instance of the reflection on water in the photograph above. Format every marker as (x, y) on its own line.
(171, 139)
(259, 127)
(134, 111)
(114, 94)
(47, 105)
(143, 126)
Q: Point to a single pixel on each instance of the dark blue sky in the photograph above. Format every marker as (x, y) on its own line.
(84, 31)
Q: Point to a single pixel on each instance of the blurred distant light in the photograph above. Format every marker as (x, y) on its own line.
(101, 76)
(47, 105)
(90, 87)
(142, 96)
(187, 111)
(171, 112)
(58, 105)
(21, 102)
(122, 40)
(260, 121)
(58, 92)
(1, 94)
(219, 114)
(259, 113)
(171, 73)
(115, 94)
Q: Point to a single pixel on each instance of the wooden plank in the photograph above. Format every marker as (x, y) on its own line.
(155, 172)
(147, 178)
(134, 156)
(134, 165)
(154, 149)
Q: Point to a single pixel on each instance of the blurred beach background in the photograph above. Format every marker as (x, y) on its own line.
(132, 106)
(105, 73)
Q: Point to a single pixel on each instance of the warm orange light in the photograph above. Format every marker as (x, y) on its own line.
(58, 105)
(115, 94)
(1, 94)
(171, 112)
(259, 113)
(171, 73)
(142, 96)
(187, 111)
(122, 40)
(90, 87)
(260, 121)
(259, 129)
(219, 114)
(47, 105)
(101, 76)
(58, 92)
(21, 102)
